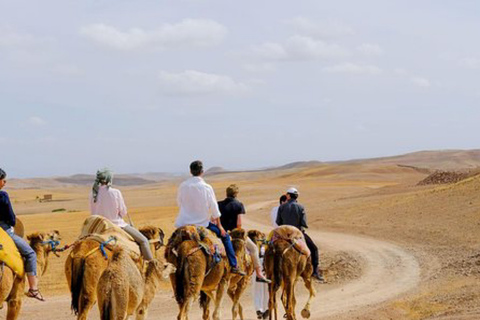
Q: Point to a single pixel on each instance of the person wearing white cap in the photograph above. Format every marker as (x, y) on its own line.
(292, 213)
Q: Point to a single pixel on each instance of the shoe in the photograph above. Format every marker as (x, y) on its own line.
(236, 270)
(264, 280)
(318, 277)
(259, 314)
(265, 315)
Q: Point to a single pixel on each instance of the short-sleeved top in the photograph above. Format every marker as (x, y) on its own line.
(230, 209)
(7, 216)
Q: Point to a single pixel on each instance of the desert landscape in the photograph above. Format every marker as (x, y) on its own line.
(399, 237)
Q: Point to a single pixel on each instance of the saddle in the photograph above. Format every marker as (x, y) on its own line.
(102, 230)
(10, 255)
(207, 241)
(292, 235)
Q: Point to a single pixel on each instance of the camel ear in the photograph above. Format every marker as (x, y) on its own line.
(29, 237)
(161, 235)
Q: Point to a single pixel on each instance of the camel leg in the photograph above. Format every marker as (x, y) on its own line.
(272, 301)
(15, 299)
(218, 298)
(309, 285)
(289, 292)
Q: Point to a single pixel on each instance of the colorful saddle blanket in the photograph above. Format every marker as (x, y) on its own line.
(206, 239)
(101, 229)
(292, 235)
(10, 255)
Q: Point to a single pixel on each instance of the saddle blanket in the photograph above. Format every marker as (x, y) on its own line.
(9, 254)
(101, 229)
(292, 235)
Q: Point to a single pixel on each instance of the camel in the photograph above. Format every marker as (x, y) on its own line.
(85, 264)
(284, 264)
(122, 290)
(197, 272)
(12, 287)
(238, 283)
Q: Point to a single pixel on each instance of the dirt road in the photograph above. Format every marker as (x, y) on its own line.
(389, 271)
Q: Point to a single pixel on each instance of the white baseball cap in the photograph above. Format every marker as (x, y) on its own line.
(292, 191)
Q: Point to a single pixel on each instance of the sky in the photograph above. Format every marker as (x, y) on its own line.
(149, 86)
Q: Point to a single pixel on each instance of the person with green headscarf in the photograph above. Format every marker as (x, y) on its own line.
(108, 202)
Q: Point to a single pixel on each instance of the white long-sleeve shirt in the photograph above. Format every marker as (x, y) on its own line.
(273, 216)
(110, 204)
(197, 203)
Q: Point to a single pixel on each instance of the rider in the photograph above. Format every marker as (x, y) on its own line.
(7, 222)
(232, 211)
(292, 213)
(198, 206)
(108, 202)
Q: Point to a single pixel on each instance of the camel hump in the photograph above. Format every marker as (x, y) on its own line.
(101, 229)
(205, 238)
(9, 254)
(292, 235)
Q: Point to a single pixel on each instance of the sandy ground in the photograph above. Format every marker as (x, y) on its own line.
(416, 249)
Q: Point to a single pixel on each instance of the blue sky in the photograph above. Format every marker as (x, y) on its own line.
(145, 86)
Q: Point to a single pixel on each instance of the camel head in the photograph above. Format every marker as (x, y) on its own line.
(159, 270)
(238, 233)
(258, 238)
(154, 234)
(48, 240)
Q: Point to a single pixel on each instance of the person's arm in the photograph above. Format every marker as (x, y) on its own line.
(239, 221)
(303, 215)
(122, 208)
(8, 215)
(239, 216)
(213, 204)
(219, 225)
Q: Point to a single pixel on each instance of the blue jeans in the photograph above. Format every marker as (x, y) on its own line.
(227, 243)
(26, 251)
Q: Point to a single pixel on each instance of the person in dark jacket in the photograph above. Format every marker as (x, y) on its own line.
(7, 222)
(292, 213)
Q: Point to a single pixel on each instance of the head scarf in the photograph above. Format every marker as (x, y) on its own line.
(104, 177)
(3, 174)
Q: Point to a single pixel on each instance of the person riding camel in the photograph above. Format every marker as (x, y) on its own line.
(108, 202)
(198, 207)
(232, 211)
(7, 222)
(292, 213)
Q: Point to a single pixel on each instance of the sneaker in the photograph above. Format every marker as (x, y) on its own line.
(259, 314)
(236, 270)
(264, 280)
(318, 277)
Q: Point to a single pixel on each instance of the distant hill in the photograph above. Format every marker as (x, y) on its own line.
(436, 160)
(119, 180)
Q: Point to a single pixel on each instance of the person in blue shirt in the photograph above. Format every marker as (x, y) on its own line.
(7, 222)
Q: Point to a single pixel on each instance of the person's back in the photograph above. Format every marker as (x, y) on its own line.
(195, 202)
(110, 204)
(230, 209)
(292, 213)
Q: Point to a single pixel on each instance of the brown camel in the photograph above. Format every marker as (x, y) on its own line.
(12, 287)
(238, 283)
(122, 290)
(284, 264)
(85, 264)
(197, 272)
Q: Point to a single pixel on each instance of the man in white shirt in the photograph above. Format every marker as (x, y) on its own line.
(274, 212)
(198, 206)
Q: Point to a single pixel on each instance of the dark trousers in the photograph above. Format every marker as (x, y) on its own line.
(313, 250)
(227, 243)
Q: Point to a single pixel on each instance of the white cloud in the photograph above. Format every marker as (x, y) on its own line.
(10, 38)
(36, 121)
(470, 63)
(191, 82)
(421, 82)
(320, 29)
(186, 33)
(299, 48)
(351, 68)
(370, 49)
